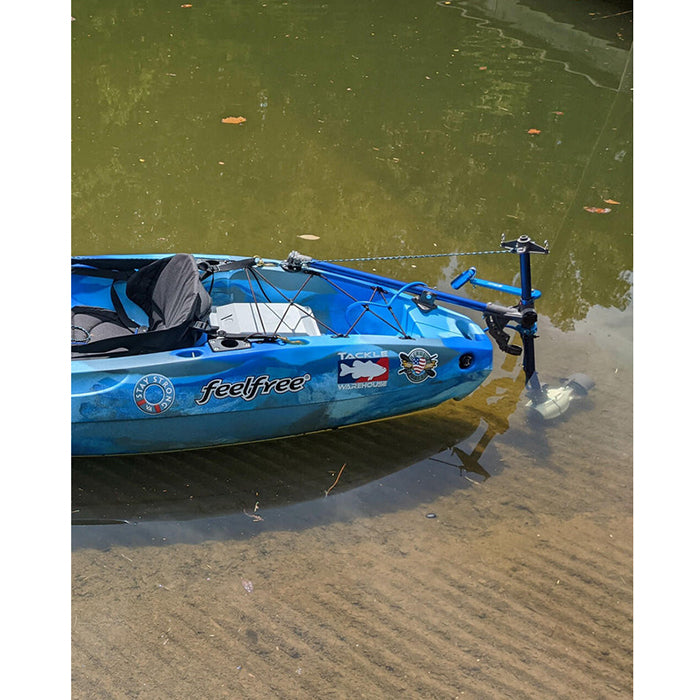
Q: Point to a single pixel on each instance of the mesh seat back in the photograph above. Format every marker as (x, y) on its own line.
(170, 292)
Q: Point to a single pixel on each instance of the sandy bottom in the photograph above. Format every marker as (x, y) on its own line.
(519, 587)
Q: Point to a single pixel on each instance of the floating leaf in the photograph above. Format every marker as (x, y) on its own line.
(610, 201)
(534, 131)
(598, 210)
(308, 237)
(233, 120)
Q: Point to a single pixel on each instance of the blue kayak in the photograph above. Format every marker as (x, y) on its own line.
(175, 352)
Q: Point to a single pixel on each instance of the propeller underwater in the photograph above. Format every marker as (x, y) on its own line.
(552, 402)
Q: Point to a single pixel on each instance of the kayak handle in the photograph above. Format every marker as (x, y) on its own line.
(470, 276)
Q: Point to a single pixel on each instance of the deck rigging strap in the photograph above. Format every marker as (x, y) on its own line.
(210, 267)
(412, 257)
(294, 262)
(123, 316)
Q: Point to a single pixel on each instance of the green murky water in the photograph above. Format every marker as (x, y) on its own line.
(381, 128)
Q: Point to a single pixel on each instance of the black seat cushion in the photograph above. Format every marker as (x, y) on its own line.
(91, 323)
(170, 292)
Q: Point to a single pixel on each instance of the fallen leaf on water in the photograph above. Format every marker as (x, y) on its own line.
(534, 131)
(610, 201)
(598, 210)
(233, 120)
(308, 237)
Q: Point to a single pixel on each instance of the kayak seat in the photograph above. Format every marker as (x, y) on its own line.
(170, 293)
(94, 323)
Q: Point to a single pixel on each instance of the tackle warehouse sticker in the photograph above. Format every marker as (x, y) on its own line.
(154, 394)
(250, 388)
(417, 365)
(362, 373)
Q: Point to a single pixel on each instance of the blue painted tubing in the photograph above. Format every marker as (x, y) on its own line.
(384, 304)
(339, 270)
(508, 289)
(470, 276)
(462, 279)
(526, 280)
(528, 300)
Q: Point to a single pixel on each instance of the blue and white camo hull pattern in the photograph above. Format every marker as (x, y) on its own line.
(367, 357)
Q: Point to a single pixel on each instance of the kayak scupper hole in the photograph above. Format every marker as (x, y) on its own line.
(465, 361)
(189, 353)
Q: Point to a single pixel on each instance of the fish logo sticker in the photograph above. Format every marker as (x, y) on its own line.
(418, 365)
(154, 394)
(357, 374)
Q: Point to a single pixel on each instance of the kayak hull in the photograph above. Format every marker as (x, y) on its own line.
(213, 394)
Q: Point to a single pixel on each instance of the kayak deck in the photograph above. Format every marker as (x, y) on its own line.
(295, 351)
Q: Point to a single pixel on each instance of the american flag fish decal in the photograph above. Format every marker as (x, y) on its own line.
(418, 365)
(359, 374)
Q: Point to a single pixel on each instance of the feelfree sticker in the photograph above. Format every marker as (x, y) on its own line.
(418, 365)
(154, 394)
(251, 387)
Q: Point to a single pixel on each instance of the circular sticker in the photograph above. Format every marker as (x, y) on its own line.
(154, 394)
(417, 365)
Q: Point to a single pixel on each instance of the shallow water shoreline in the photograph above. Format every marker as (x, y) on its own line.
(521, 586)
